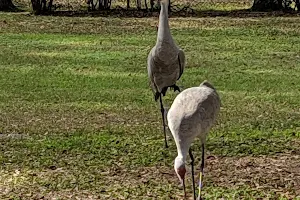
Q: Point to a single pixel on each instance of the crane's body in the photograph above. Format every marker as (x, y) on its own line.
(191, 115)
(166, 61)
(165, 66)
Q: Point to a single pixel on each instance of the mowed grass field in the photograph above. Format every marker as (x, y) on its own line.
(78, 120)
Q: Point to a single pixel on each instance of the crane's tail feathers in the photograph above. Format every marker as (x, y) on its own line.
(207, 84)
(180, 67)
(163, 92)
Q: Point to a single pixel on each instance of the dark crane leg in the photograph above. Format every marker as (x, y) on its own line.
(201, 172)
(193, 179)
(163, 118)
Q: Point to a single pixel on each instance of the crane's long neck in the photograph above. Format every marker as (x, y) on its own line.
(164, 33)
(182, 149)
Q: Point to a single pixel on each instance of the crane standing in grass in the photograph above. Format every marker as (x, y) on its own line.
(166, 61)
(191, 115)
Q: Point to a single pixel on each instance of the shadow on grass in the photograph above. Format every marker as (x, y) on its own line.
(13, 9)
(181, 12)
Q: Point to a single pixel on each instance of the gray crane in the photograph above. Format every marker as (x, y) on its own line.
(191, 115)
(166, 62)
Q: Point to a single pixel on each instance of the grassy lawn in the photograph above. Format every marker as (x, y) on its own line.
(78, 119)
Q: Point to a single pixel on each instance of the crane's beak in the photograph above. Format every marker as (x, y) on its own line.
(181, 175)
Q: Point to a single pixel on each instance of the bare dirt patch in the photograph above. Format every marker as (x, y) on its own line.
(63, 118)
(279, 174)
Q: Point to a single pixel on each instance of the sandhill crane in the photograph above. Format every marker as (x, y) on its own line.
(166, 62)
(191, 115)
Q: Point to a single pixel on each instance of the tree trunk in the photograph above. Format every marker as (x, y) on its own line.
(139, 4)
(6, 5)
(128, 4)
(151, 4)
(298, 5)
(50, 5)
(146, 6)
(36, 6)
(105, 6)
(267, 5)
(41, 6)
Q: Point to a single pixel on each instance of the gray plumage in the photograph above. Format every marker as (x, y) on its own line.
(192, 114)
(166, 61)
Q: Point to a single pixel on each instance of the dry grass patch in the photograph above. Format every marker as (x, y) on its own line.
(279, 174)
(56, 118)
(272, 176)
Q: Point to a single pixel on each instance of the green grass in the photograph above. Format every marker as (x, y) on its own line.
(79, 120)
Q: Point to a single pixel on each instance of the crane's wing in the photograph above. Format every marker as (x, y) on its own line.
(181, 61)
(164, 75)
(150, 68)
(150, 65)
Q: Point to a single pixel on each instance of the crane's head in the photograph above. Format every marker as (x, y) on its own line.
(180, 170)
(179, 167)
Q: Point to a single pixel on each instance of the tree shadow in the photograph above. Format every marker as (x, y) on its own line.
(14, 9)
(245, 13)
(183, 12)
